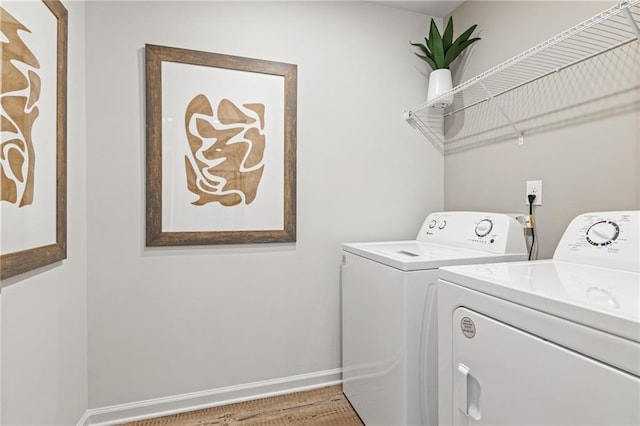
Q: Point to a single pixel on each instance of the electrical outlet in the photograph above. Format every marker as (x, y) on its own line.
(534, 187)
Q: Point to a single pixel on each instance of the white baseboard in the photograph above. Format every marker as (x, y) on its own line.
(84, 420)
(209, 398)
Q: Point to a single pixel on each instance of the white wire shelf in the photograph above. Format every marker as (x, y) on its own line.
(587, 71)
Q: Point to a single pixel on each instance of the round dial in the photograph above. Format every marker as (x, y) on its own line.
(603, 233)
(432, 224)
(484, 227)
(442, 224)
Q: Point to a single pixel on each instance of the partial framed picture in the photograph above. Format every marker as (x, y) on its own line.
(221, 149)
(33, 153)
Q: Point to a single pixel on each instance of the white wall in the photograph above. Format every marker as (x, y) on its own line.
(593, 166)
(168, 321)
(44, 318)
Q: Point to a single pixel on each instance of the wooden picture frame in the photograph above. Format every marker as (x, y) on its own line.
(41, 36)
(221, 149)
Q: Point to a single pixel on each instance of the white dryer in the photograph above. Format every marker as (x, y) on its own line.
(389, 353)
(549, 342)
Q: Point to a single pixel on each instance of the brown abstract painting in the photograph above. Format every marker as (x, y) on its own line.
(33, 111)
(221, 148)
(228, 170)
(19, 95)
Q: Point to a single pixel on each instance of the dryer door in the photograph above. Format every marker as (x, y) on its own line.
(504, 376)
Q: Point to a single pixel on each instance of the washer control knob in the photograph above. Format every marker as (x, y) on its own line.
(432, 224)
(603, 233)
(442, 224)
(484, 227)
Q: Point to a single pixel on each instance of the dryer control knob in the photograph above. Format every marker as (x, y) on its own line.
(603, 233)
(432, 224)
(484, 227)
(442, 224)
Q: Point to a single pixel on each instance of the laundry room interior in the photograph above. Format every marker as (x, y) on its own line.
(122, 330)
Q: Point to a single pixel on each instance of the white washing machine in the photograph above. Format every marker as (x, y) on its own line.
(389, 353)
(549, 342)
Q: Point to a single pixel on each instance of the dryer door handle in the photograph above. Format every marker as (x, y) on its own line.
(460, 388)
(467, 392)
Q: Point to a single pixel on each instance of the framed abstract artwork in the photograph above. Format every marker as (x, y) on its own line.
(33, 151)
(221, 149)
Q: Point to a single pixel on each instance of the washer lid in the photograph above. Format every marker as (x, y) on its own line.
(416, 255)
(601, 298)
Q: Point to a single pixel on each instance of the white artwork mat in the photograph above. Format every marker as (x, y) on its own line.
(180, 84)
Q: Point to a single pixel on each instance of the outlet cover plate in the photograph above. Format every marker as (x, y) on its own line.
(534, 187)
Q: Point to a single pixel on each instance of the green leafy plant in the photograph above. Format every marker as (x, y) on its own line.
(440, 50)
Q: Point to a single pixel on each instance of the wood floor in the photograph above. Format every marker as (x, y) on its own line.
(319, 407)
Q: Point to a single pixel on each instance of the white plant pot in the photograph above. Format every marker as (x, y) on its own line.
(439, 84)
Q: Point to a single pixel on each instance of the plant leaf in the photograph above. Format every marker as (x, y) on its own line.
(433, 30)
(422, 47)
(436, 45)
(447, 36)
(428, 44)
(465, 35)
(428, 60)
(457, 49)
(468, 43)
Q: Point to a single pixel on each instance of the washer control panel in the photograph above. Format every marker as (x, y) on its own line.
(492, 232)
(608, 239)
(603, 233)
(484, 227)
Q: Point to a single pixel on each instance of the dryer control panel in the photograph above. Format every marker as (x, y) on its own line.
(607, 239)
(490, 232)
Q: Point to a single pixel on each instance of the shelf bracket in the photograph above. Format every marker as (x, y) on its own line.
(632, 23)
(414, 120)
(504, 114)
